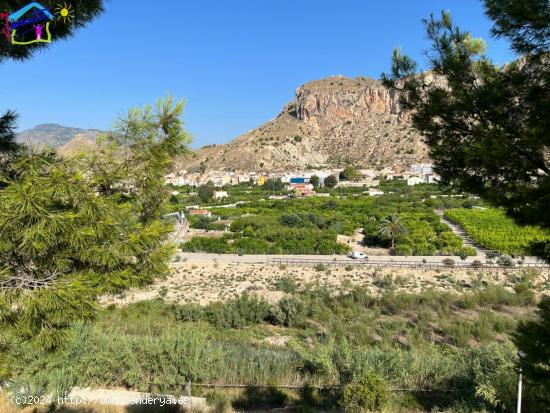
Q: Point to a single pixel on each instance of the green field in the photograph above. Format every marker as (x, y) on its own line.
(492, 229)
(311, 225)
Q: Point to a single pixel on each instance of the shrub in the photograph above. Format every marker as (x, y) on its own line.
(449, 262)
(403, 249)
(367, 392)
(477, 264)
(189, 313)
(330, 181)
(289, 312)
(470, 251)
(241, 312)
(321, 267)
(286, 284)
(505, 261)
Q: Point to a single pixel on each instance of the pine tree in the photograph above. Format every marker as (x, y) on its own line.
(71, 230)
(533, 338)
(487, 126)
(15, 312)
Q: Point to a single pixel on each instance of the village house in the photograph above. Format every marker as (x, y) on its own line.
(200, 212)
(415, 180)
(220, 194)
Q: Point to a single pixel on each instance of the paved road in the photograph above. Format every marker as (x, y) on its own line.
(262, 259)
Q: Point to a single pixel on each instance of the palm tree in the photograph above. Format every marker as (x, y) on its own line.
(392, 227)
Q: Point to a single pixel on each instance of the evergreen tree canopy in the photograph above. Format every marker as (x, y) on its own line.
(487, 126)
(9, 148)
(533, 338)
(73, 229)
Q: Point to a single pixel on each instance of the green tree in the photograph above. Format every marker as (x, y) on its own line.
(10, 151)
(315, 181)
(71, 230)
(487, 126)
(350, 173)
(330, 181)
(392, 227)
(206, 192)
(274, 185)
(9, 148)
(533, 338)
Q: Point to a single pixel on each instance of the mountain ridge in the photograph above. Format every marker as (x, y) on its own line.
(54, 135)
(330, 122)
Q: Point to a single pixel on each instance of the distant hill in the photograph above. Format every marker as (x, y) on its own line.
(56, 136)
(330, 122)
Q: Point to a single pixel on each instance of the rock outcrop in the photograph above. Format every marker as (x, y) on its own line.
(330, 122)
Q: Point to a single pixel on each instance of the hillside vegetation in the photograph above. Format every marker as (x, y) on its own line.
(447, 350)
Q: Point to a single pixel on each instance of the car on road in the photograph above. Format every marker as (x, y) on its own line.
(356, 255)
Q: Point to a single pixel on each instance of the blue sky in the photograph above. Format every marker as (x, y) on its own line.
(235, 62)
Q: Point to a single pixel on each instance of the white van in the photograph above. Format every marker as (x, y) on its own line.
(356, 255)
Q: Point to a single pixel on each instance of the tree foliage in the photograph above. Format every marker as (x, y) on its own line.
(206, 192)
(330, 181)
(487, 126)
(315, 181)
(9, 148)
(350, 173)
(274, 185)
(73, 229)
(533, 338)
(392, 227)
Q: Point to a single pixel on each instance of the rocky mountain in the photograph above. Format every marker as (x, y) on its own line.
(331, 122)
(56, 136)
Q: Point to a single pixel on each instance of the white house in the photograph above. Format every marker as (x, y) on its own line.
(220, 194)
(415, 180)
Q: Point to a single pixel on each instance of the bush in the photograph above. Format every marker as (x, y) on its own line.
(190, 313)
(330, 181)
(403, 249)
(477, 264)
(470, 251)
(449, 262)
(289, 312)
(321, 267)
(368, 392)
(241, 312)
(505, 261)
(286, 284)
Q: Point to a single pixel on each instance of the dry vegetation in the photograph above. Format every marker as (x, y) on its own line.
(206, 283)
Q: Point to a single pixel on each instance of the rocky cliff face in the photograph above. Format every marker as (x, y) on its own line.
(331, 122)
